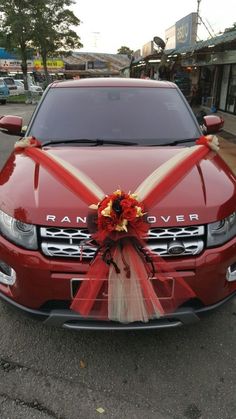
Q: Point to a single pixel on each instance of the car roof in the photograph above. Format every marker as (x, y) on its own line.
(8, 77)
(112, 82)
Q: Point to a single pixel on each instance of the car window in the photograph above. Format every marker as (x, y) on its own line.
(145, 115)
(9, 81)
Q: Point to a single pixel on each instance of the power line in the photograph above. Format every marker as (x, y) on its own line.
(199, 18)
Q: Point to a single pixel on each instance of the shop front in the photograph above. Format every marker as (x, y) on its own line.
(227, 93)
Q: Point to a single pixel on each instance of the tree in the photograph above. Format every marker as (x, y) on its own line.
(43, 24)
(15, 29)
(126, 51)
(52, 23)
(231, 28)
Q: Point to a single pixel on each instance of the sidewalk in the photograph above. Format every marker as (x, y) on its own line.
(230, 121)
(228, 153)
(227, 137)
(229, 124)
(227, 140)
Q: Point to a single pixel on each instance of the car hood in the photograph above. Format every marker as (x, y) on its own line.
(30, 193)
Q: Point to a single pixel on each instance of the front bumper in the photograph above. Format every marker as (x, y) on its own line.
(41, 280)
(71, 320)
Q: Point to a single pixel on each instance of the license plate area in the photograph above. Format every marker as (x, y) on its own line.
(164, 290)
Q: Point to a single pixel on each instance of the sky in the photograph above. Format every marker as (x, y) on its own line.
(106, 25)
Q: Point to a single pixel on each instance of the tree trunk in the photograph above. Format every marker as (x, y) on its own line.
(44, 59)
(24, 66)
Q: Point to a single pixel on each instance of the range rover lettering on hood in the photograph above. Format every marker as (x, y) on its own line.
(152, 219)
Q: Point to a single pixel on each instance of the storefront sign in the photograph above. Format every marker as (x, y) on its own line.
(219, 58)
(148, 49)
(170, 37)
(137, 54)
(186, 30)
(51, 65)
(14, 65)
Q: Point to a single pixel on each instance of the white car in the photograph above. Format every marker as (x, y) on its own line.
(20, 87)
(33, 88)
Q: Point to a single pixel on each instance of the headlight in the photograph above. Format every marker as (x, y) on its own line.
(221, 231)
(18, 232)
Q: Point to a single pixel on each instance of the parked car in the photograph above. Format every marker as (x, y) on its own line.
(4, 91)
(10, 84)
(20, 87)
(33, 88)
(111, 216)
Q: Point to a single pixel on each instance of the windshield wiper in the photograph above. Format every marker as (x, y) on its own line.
(95, 142)
(176, 142)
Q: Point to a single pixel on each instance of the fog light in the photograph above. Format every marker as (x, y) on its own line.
(7, 274)
(231, 273)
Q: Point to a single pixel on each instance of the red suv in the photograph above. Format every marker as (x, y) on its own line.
(111, 215)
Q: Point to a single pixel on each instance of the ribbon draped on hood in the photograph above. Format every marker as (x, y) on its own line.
(125, 281)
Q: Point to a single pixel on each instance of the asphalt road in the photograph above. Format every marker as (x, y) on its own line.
(46, 373)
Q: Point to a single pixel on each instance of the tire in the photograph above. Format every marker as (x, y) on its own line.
(3, 101)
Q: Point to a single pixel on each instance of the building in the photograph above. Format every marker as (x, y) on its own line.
(84, 64)
(205, 71)
(211, 66)
(78, 64)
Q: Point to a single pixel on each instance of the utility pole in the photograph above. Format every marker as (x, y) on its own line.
(198, 16)
(200, 20)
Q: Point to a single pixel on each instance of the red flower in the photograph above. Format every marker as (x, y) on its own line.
(129, 213)
(119, 211)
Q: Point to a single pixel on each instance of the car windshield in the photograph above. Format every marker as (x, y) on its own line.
(148, 116)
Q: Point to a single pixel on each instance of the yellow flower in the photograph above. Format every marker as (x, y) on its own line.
(139, 212)
(107, 211)
(122, 226)
(117, 192)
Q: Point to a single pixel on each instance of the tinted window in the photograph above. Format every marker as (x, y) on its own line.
(144, 115)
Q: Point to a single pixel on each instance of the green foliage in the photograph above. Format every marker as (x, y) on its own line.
(52, 24)
(125, 50)
(15, 30)
(45, 25)
(231, 28)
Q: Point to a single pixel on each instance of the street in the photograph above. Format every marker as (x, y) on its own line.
(46, 373)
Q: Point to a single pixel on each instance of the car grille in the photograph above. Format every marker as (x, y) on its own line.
(77, 243)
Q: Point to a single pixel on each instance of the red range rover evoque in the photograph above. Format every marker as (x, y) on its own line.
(116, 211)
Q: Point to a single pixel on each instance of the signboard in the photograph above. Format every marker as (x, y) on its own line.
(137, 54)
(186, 30)
(170, 37)
(14, 65)
(148, 49)
(51, 65)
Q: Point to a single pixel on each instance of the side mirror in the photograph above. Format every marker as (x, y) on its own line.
(11, 124)
(213, 123)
